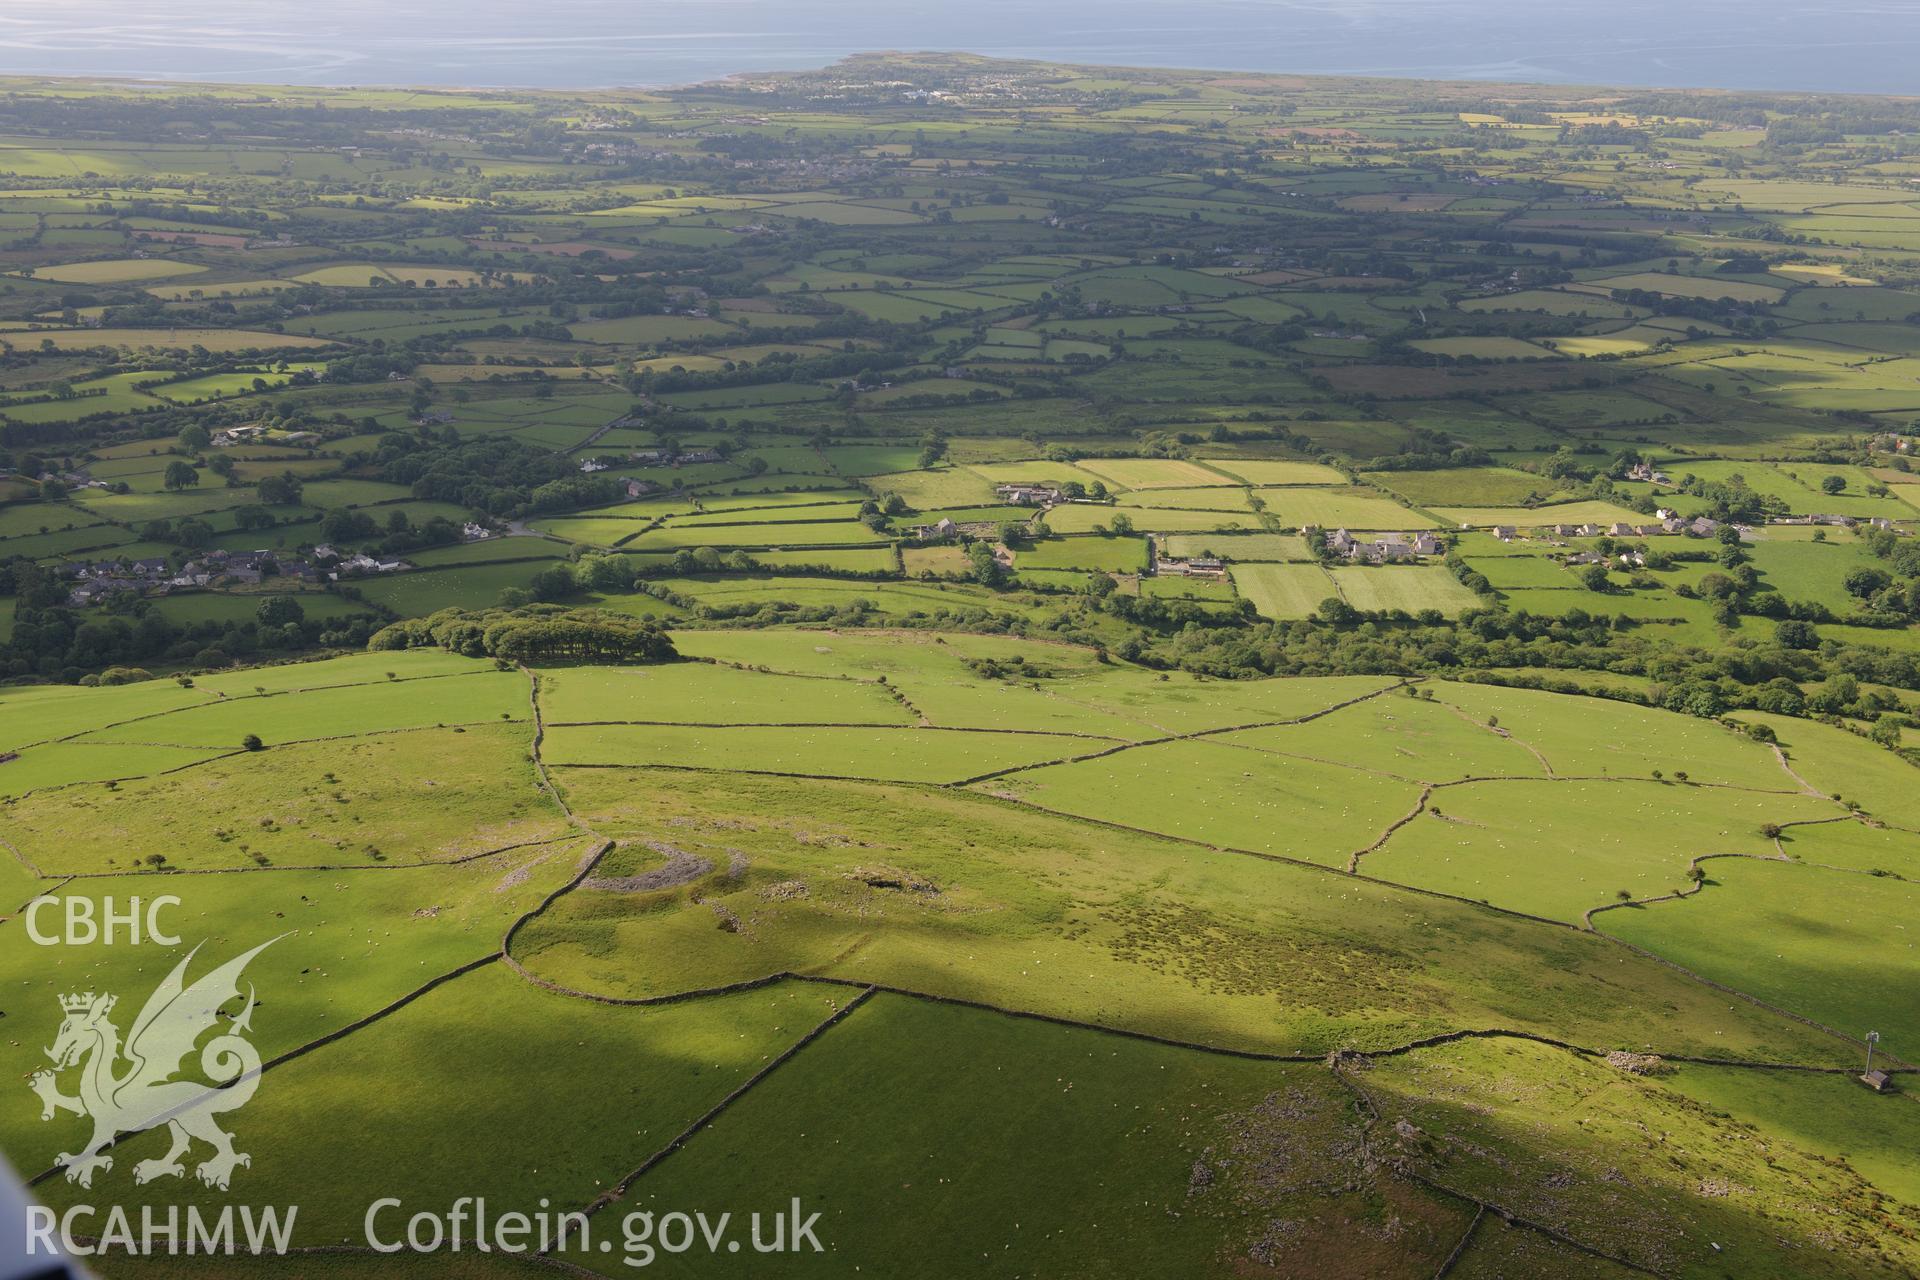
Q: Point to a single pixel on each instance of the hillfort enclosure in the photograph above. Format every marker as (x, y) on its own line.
(1075, 671)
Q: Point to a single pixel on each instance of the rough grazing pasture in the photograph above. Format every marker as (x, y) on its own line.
(1036, 916)
(984, 880)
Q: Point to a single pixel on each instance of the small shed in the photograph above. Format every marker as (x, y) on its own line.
(1878, 1081)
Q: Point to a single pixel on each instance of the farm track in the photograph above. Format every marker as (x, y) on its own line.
(1806, 787)
(1546, 766)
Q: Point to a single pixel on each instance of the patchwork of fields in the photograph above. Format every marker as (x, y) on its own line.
(1092, 672)
(1354, 863)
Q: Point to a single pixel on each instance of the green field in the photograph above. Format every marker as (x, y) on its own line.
(1114, 555)
(1284, 590)
(1408, 588)
(648, 604)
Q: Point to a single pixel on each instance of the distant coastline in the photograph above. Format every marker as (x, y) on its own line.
(613, 44)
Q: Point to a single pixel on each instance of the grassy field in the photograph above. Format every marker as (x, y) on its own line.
(672, 1065)
(1332, 508)
(1284, 590)
(117, 271)
(1403, 587)
(1560, 848)
(1600, 513)
(1835, 952)
(931, 1073)
(232, 812)
(703, 693)
(1068, 921)
(1477, 486)
(903, 753)
(1000, 880)
(1111, 554)
(1592, 1118)
(1283, 805)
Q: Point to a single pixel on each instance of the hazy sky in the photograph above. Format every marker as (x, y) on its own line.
(1852, 45)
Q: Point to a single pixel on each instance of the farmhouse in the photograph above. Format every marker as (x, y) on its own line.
(154, 575)
(666, 457)
(1389, 548)
(238, 435)
(97, 589)
(945, 528)
(360, 564)
(1384, 548)
(1027, 495)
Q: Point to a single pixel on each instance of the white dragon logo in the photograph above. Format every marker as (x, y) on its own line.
(145, 1095)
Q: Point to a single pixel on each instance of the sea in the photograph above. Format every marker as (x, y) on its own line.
(1844, 46)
